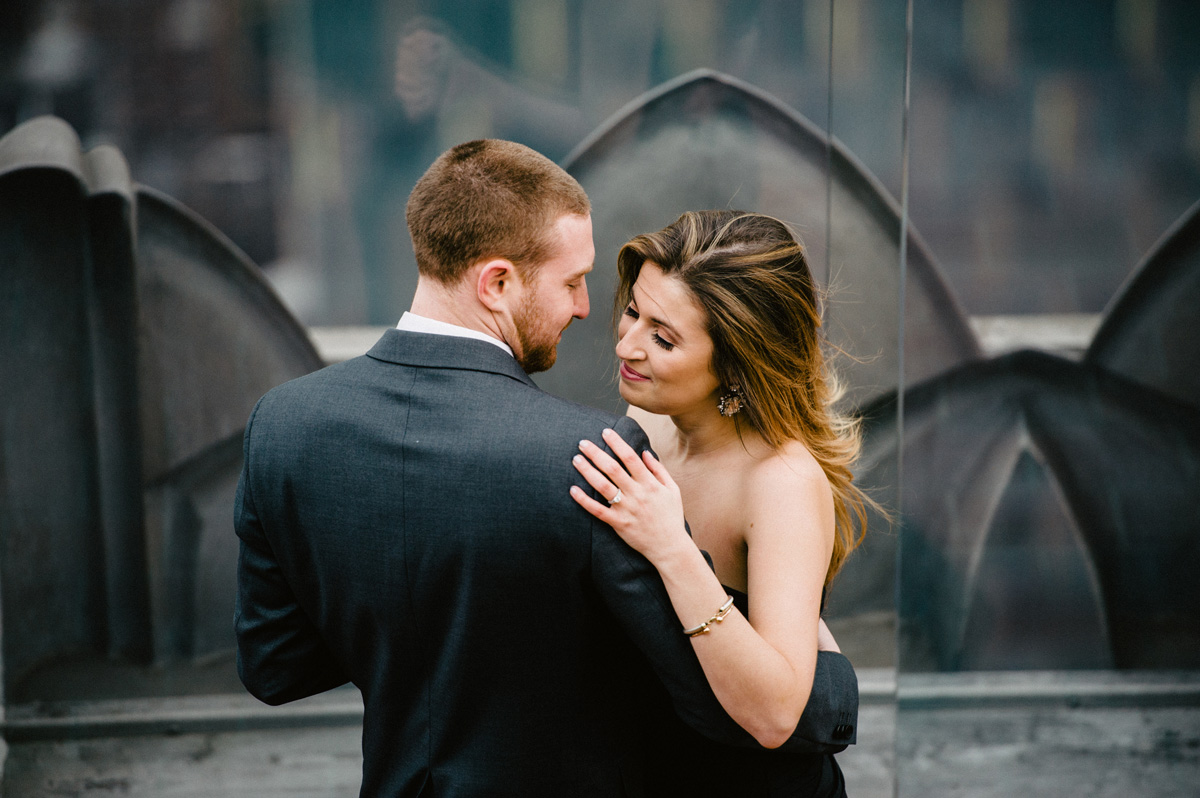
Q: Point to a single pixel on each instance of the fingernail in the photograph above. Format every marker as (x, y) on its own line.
(577, 459)
(607, 431)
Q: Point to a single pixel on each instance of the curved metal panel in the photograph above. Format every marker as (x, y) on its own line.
(1034, 575)
(71, 326)
(50, 537)
(707, 140)
(114, 377)
(1151, 331)
(1040, 482)
(45, 142)
(214, 335)
(136, 342)
(214, 338)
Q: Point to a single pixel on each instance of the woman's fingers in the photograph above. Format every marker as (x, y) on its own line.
(603, 485)
(594, 507)
(606, 464)
(649, 513)
(630, 459)
(656, 468)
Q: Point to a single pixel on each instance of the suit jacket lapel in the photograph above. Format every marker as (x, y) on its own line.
(425, 350)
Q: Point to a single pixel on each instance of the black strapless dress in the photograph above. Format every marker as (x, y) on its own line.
(687, 764)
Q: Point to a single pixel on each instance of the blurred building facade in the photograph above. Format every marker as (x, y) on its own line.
(1051, 143)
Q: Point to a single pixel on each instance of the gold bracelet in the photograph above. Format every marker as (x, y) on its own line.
(720, 616)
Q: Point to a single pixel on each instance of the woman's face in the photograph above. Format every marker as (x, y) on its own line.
(664, 348)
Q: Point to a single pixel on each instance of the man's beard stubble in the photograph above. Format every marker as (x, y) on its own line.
(539, 345)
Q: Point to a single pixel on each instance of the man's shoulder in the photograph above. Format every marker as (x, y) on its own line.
(539, 406)
(317, 389)
(535, 414)
(329, 376)
(520, 404)
(541, 402)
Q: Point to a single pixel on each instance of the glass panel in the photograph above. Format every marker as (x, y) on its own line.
(1043, 510)
(996, 508)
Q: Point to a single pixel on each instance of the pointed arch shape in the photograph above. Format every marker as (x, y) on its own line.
(706, 139)
(1151, 329)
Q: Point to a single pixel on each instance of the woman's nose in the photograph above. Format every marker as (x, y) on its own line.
(626, 349)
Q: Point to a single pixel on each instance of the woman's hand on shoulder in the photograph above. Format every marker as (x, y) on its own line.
(644, 504)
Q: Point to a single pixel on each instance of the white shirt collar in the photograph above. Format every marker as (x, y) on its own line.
(411, 322)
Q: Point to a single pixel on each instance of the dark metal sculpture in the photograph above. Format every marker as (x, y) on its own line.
(1049, 513)
(135, 340)
(1150, 334)
(706, 140)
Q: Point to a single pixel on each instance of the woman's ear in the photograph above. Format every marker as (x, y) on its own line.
(496, 283)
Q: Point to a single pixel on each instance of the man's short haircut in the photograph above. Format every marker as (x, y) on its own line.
(489, 199)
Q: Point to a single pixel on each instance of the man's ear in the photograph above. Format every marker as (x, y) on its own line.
(495, 283)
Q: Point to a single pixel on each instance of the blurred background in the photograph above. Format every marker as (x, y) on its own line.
(1051, 143)
(1000, 195)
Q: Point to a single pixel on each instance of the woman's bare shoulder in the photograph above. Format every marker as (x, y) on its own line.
(788, 519)
(790, 471)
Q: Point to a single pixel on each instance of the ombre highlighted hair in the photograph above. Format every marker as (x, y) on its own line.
(748, 273)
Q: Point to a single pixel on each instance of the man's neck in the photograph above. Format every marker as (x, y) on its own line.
(455, 305)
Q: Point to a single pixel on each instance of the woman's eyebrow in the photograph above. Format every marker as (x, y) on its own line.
(657, 321)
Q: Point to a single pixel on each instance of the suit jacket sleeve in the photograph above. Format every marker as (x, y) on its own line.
(634, 592)
(280, 654)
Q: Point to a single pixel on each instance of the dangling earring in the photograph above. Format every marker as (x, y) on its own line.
(730, 403)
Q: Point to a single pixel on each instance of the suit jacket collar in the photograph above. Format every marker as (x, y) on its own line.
(426, 350)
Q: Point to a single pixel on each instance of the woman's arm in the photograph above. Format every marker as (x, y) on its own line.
(762, 674)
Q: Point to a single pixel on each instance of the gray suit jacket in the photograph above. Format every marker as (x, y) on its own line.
(405, 525)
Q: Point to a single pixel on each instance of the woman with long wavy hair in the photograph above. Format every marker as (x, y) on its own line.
(721, 363)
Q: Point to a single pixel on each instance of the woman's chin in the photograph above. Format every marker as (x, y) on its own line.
(631, 396)
(642, 402)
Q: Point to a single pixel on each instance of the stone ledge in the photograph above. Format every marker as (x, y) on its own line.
(876, 685)
(343, 707)
(1049, 688)
(73, 720)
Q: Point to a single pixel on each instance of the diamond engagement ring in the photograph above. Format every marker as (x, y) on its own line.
(615, 499)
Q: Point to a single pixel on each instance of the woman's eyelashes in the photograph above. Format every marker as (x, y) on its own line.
(632, 313)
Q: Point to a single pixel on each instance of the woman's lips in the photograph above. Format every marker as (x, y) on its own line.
(632, 375)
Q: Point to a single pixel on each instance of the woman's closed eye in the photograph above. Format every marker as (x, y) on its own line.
(632, 313)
